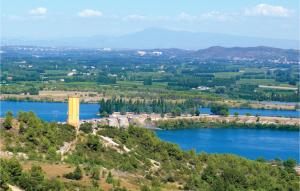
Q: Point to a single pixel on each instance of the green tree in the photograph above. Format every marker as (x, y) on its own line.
(52, 155)
(95, 173)
(75, 175)
(109, 178)
(93, 142)
(54, 185)
(22, 127)
(34, 180)
(36, 174)
(86, 127)
(289, 165)
(219, 109)
(148, 81)
(176, 112)
(197, 112)
(236, 114)
(7, 124)
(10, 170)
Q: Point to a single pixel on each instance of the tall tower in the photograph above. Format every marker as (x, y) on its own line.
(73, 111)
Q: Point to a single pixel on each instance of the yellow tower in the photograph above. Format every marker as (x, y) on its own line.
(73, 111)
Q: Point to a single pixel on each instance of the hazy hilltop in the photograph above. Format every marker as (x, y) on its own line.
(158, 38)
(261, 53)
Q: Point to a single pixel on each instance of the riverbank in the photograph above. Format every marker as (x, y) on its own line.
(94, 97)
(154, 121)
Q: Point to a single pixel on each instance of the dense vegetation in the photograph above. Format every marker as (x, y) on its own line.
(173, 75)
(194, 123)
(37, 138)
(156, 106)
(219, 109)
(13, 174)
(155, 164)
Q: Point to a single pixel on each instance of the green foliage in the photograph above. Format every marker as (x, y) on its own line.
(106, 79)
(93, 143)
(34, 180)
(219, 109)
(11, 173)
(148, 81)
(236, 114)
(109, 178)
(201, 123)
(95, 173)
(38, 136)
(261, 159)
(52, 155)
(7, 124)
(176, 112)
(147, 152)
(86, 127)
(289, 165)
(122, 73)
(75, 175)
(142, 106)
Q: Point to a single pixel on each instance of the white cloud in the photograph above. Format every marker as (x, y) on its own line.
(134, 18)
(218, 16)
(213, 15)
(268, 10)
(38, 11)
(186, 17)
(90, 13)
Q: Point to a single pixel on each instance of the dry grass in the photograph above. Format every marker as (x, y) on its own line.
(58, 170)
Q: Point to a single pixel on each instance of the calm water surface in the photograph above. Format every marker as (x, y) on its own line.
(48, 111)
(260, 112)
(249, 143)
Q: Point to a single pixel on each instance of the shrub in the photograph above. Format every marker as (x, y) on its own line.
(7, 124)
(219, 109)
(76, 175)
(86, 128)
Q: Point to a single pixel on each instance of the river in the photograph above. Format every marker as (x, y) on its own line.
(50, 111)
(249, 143)
(260, 112)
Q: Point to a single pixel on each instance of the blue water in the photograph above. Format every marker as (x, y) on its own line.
(260, 112)
(249, 143)
(48, 111)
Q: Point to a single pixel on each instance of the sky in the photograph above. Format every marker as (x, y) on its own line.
(46, 19)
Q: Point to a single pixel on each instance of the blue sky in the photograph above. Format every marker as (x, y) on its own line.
(69, 18)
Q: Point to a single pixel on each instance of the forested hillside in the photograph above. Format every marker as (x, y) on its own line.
(118, 159)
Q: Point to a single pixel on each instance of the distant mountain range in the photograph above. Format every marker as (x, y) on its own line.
(158, 38)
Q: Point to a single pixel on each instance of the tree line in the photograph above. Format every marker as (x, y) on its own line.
(161, 106)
